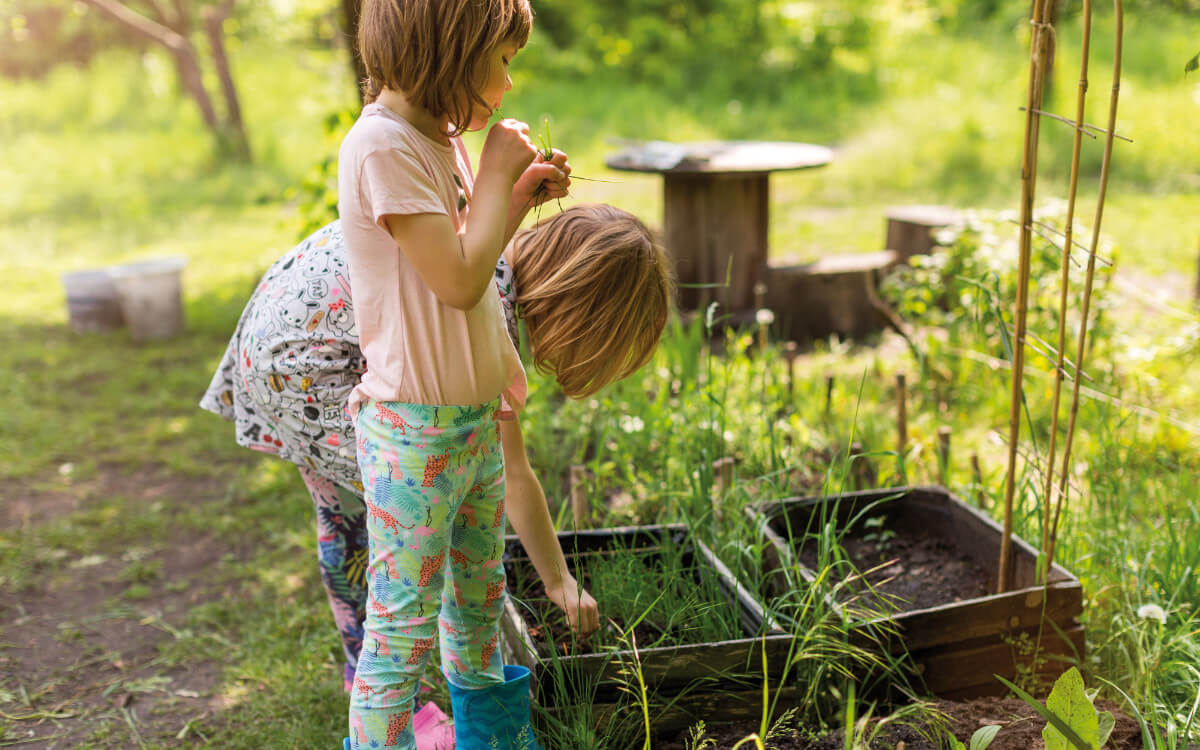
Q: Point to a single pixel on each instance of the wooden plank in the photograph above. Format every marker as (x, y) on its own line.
(672, 714)
(965, 621)
(666, 670)
(947, 672)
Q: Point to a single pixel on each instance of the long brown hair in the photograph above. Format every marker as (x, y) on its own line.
(435, 51)
(595, 291)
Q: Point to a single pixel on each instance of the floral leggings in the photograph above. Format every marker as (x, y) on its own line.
(342, 556)
(433, 480)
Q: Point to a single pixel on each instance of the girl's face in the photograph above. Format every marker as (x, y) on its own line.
(495, 83)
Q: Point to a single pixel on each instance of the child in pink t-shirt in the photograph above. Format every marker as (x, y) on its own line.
(423, 236)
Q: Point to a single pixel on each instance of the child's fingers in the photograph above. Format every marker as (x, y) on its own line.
(557, 158)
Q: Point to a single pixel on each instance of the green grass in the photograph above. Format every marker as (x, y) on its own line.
(124, 171)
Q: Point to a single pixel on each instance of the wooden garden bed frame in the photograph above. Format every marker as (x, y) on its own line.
(957, 647)
(686, 682)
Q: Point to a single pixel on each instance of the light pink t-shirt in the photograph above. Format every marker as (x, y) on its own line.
(418, 349)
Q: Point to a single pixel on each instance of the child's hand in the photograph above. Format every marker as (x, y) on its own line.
(577, 604)
(543, 180)
(507, 150)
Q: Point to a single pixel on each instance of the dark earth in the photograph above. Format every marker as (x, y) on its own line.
(1021, 729)
(907, 570)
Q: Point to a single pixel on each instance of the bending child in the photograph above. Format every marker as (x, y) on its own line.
(594, 291)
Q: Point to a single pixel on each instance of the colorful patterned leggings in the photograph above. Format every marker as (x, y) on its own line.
(342, 556)
(433, 479)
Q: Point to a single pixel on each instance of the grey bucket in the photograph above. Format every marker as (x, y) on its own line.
(151, 297)
(92, 303)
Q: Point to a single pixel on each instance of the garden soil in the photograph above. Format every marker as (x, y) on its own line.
(907, 569)
(1021, 729)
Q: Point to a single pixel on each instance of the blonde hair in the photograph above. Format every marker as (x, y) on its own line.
(595, 291)
(435, 51)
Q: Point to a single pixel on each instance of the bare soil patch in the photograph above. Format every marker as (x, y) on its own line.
(78, 652)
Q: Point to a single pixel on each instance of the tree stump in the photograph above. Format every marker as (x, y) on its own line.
(833, 295)
(910, 229)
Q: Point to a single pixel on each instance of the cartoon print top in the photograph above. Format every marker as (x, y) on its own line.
(294, 359)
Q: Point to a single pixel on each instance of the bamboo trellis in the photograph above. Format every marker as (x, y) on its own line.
(1041, 50)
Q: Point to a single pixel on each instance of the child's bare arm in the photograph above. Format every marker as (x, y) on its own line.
(459, 270)
(526, 506)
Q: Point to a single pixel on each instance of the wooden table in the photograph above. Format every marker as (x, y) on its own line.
(716, 210)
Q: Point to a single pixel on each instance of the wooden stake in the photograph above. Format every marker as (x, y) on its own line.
(862, 474)
(943, 454)
(789, 355)
(764, 327)
(581, 507)
(980, 496)
(722, 481)
(902, 413)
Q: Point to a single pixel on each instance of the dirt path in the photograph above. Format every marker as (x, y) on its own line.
(80, 656)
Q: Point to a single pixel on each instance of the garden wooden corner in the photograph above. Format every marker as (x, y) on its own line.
(956, 647)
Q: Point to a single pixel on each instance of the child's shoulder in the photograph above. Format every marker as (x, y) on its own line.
(377, 130)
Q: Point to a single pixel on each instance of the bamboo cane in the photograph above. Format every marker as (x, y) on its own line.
(1064, 474)
(1039, 43)
(1064, 280)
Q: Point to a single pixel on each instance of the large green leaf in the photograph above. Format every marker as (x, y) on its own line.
(1192, 64)
(1069, 702)
(1049, 716)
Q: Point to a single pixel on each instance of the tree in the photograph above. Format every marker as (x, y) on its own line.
(172, 28)
(351, 10)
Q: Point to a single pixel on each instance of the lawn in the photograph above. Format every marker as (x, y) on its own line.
(157, 585)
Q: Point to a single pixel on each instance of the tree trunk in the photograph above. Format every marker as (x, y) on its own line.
(235, 131)
(351, 11)
(171, 31)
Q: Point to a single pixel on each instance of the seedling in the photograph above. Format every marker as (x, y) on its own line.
(981, 740)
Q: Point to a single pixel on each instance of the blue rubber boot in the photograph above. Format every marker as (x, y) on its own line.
(346, 744)
(495, 717)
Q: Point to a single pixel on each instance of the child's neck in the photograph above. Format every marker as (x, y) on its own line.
(432, 127)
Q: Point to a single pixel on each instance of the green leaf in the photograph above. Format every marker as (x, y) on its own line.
(1068, 701)
(1049, 716)
(983, 737)
(1192, 64)
(1107, 723)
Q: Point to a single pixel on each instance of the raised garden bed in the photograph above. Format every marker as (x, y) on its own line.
(928, 561)
(699, 633)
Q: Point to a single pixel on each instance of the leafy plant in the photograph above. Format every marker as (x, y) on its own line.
(1071, 717)
(981, 740)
